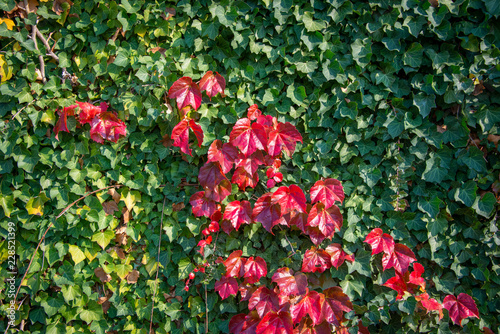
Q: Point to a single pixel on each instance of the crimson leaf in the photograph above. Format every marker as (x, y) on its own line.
(235, 264)
(264, 301)
(212, 84)
(238, 213)
(226, 287)
(255, 268)
(460, 307)
(289, 283)
(380, 241)
(310, 304)
(243, 179)
(327, 192)
(107, 126)
(186, 92)
(225, 154)
(250, 163)
(399, 259)
(285, 136)
(202, 205)
(337, 255)
(267, 212)
(316, 260)
(327, 220)
(275, 323)
(211, 175)
(290, 198)
(248, 137)
(180, 134)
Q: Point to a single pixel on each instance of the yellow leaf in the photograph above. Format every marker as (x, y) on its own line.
(35, 205)
(17, 47)
(130, 198)
(10, 24)
(76, 254)
(5, 70)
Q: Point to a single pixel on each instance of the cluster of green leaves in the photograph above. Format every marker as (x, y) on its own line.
(398, 99)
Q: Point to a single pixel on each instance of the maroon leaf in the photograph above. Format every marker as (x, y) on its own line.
(243, 179)
(306, 327)
(107, 126)
(285, 136)
(264, 301)
(430, 304)
(311, 305)
(267, 212)
(248, 137)
(180, 134)
(237, 323)
(220, 192)
(211, 175)
(299, 219)
(316, 260)
(186, 92)
(201, 205)
(238, 213)
(255, 269)
(327, 192)
(290, 198)
(226, 287)
(400, 259)
(275, 323)
(337, 255)
(461, 307)
(290, 284)
(212, 84)
(244, 323)
(224, 154)
(250, 163)
(380, 241)
(338, 302)
(235, 264)
(315, 234)
(327, 220)
(61, 124)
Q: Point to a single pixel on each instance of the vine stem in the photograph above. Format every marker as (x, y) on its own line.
(157, 268)
(45, 233)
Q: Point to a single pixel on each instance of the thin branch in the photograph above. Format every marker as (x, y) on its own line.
(47, 46)
(157, 268)
(17, 113)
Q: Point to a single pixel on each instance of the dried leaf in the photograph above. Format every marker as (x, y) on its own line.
(116, 196)
(169, 13)
(110, 207)
(494, 139)
(58, 6)
(102, 275)
(441, 128)
(125, 215)
(120, 253)
(178, 206)
(478, 88)
(132, 277)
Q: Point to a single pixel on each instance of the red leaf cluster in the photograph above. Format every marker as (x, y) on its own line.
(104, 125)
(319, 260)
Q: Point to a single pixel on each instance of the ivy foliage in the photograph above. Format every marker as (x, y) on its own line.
(400, 100)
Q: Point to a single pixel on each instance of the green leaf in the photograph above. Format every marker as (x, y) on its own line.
(430, 206)
(311, 24)
(35, 205)
(307, 67)
(351, 286)
(493, 7)
(362, 51)
(76, 254)
(52, 305)
(361, 264)
(424, 103)
(408, 305)
(7, 203)
(467, 193)
(484, 206)
(437, 226)
(92, 312)
(413, 56)
(103, 238)
(474, 159)
(185, 267)
(71, 292)
(433, 172)
(122, 270)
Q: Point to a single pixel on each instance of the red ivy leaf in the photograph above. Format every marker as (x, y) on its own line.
(237, 323)
(238, 213)
(107, 126)
(267, 212)
(285, 136)
(255, 269)
(201, 205)
(290, 198)
(315, 234)
(338, 302)
(235, 264)
(62, 123)
(327, 192)
(380, 241)
(400, 259)
(299, 219)
(306, 327)
(430, 304)
(243, 179)
(212, 84)
(398, 284)
(250, 163)
(461, 307)
(289, 283)
(253, 112)
(416, 276)
(246, 291)
(327, 220)
(88, 111)
(275, 323)
(244, 323)
(316, 260)
(337, 255)
(186, 92)
(226, 287)
(225, 154)
(264, 301)
(220, 192)
(211, 175)
(180, 134)
(248, 137)
(311, 305)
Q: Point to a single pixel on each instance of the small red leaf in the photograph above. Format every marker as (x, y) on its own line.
(253, 112)
(211, 175)
(61, 124)
(220, 192)
(289, 283)
(338, 302)
(88, 111)
(400, 259)
(201, 205)
(186, 92)
(315, 234)
(180, 134)
(224, 154)
(267, 212)
(238, 213)
(243, 179)
(398, 284)
(311, 305)
(212, 84)
(250, 163)
(235, 264)
(327, 192)
(107, 126)
(299, 219)
(285, 136)
(380, 241)
(316, 260)
(416, 276)
(461, 307)
(264, 301)
(255, 269)
(430, 304)
(226, 287)
(337, 255)
(327, 220)
(290, 198)
(248, 137)
(275, 323)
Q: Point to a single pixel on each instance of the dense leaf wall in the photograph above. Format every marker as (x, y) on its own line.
(398, 100)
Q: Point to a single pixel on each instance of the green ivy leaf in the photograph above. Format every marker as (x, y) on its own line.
(467, 193)
(103, 238)
(484, 206)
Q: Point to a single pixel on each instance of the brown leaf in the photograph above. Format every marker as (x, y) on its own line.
(178, 206)
(158, 49)
(169, 13)
(105, 304)
(166, 141)
(434, 3)
(478, 89)
(132, 277)
(115, 194)
(102, 275)
(110, 207)
(32, 6)
(57, 6)
(125, 215)
(121, 235)
(441, 128)
(111, 59)
(494, 139)
(120, 253)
